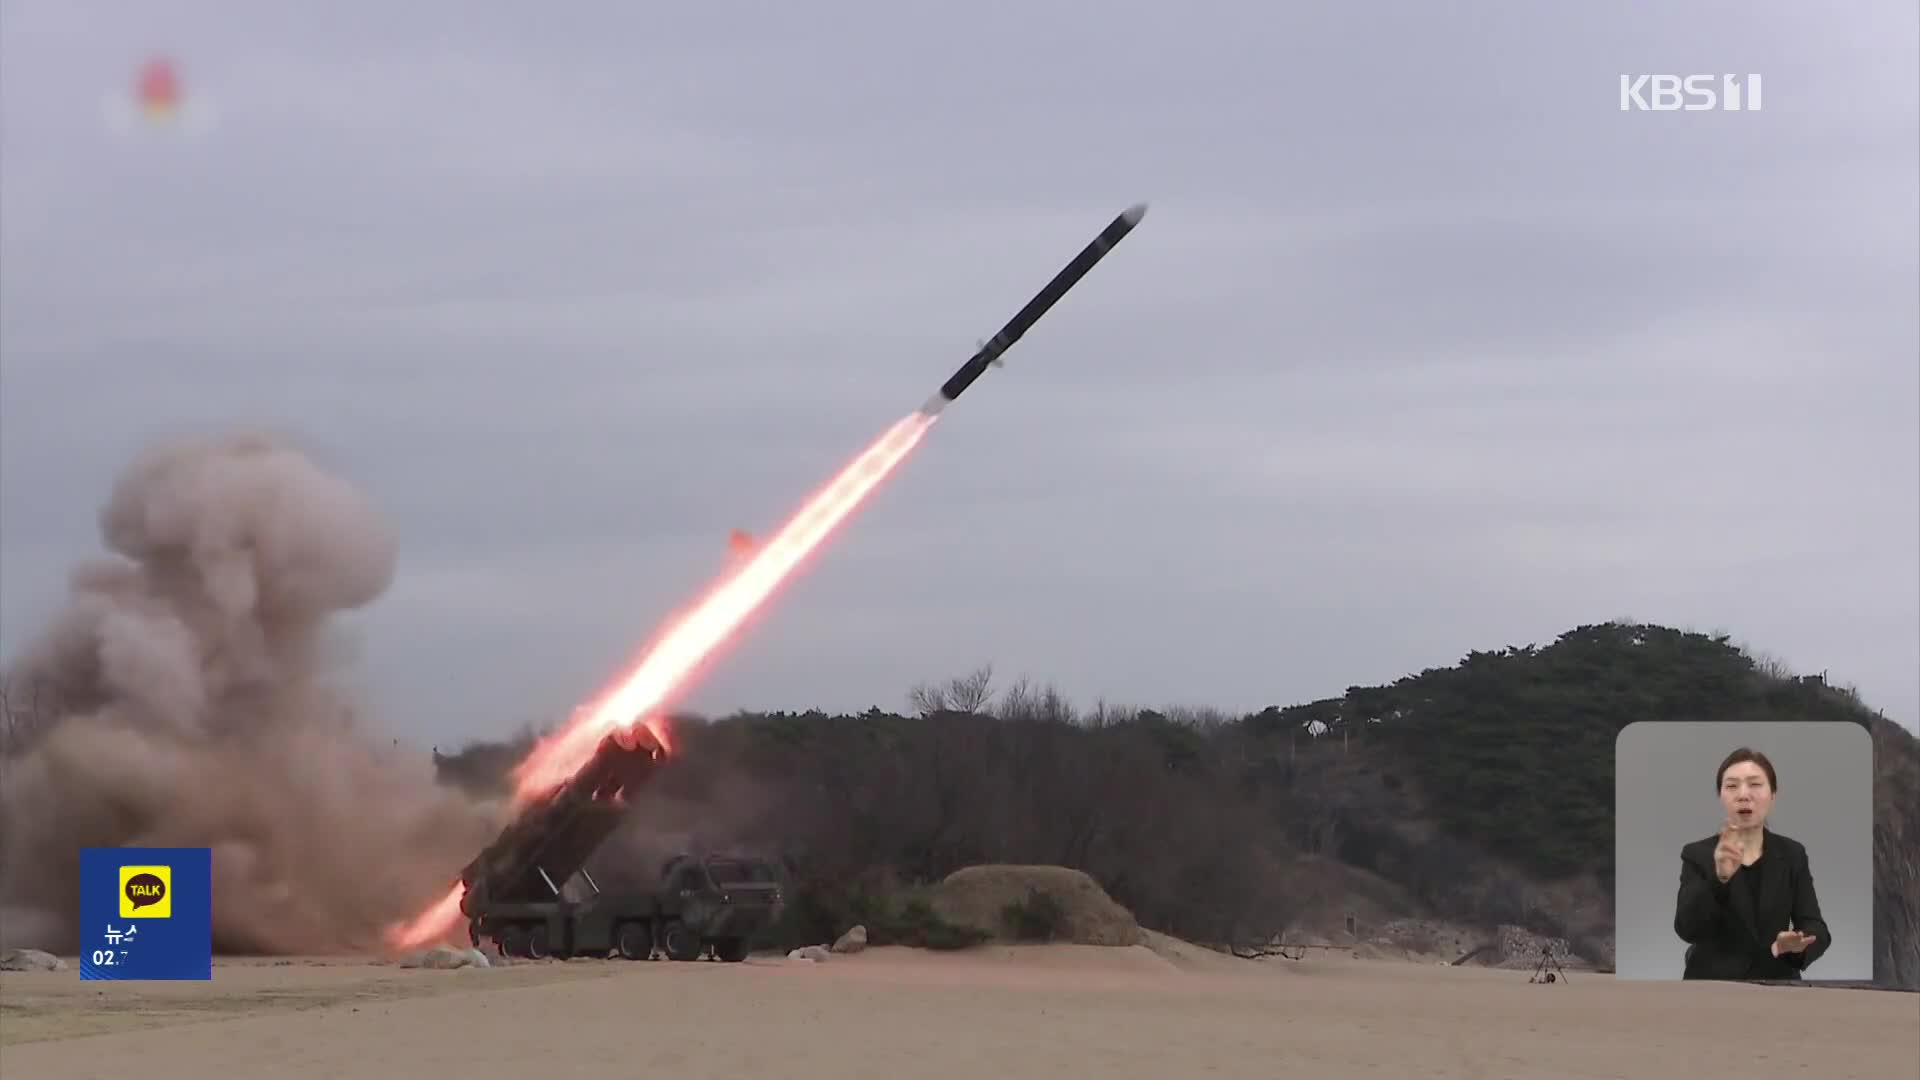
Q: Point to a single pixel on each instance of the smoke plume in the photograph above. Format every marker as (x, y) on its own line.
(181, 699)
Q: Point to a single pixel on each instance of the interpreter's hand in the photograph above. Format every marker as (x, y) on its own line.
(1791, 941)
(1729, 853)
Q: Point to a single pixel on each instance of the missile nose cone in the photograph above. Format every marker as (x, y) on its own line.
(1133, 214)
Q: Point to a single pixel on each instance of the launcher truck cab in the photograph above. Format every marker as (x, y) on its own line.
(529, 892)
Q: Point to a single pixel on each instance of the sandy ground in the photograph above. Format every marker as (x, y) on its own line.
(1000, 1012)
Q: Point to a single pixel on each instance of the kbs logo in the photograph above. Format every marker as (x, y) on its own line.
(146, 892)
(1689, 93)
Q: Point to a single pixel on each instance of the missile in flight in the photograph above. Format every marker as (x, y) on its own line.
(1067, 278)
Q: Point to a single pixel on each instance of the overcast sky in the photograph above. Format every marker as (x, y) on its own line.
(1425, 345)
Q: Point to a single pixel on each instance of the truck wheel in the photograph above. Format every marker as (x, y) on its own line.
(680, 942)
(513, 941)
(636, 941)
(537, 943)
(731, 950)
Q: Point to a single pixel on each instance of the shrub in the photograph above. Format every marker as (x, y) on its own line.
(919, 925)
(1040, 917)
(893, 915)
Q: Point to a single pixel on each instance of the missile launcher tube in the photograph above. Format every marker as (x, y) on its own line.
(552, 838)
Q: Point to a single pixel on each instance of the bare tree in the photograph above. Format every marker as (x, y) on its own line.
(973, 692)
(1023, 702)
(970, 694)
(927, 699)
(1019, 702)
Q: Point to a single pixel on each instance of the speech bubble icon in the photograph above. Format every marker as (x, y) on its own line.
(145, 890)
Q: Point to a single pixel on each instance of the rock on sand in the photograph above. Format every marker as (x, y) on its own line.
(30, 960)
(446, 957)
(852, 941)
(976, 896)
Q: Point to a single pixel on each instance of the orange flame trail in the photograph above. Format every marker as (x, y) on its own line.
(686, 644)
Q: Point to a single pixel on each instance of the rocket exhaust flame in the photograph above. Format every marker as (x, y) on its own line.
(687, 643)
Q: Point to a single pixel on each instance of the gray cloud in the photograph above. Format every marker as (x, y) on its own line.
(1424, 347)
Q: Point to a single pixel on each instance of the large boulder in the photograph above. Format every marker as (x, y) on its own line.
(30, 960)
(978, 896)
(446, 957)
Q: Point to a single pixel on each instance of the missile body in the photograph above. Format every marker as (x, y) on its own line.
(1068, 276)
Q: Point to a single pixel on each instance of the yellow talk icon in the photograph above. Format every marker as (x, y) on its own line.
(146, 892)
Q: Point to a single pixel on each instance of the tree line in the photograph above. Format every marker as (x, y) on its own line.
(1198, 820)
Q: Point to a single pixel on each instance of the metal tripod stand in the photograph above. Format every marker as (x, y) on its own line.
(1540, 972)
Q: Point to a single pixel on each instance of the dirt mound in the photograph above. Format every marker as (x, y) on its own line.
(1327, 892)
(979, 896)
(1186, 956)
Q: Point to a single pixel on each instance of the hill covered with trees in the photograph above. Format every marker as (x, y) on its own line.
(1479, 793)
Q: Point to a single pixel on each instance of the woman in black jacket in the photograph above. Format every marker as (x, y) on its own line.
(1747, 908)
